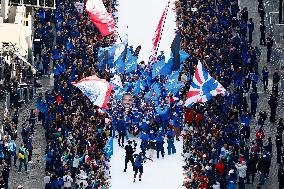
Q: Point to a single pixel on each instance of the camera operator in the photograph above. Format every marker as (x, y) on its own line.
(129, 150)
(67, 179)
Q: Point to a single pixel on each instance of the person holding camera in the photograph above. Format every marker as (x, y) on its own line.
(129, 154)
(67, 179)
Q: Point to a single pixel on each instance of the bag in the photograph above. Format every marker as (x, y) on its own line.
(21, 156)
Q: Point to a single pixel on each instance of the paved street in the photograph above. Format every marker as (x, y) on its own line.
(270, 129)
(34, 178)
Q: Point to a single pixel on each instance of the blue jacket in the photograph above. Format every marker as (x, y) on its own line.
(121, 126)
(138, 161)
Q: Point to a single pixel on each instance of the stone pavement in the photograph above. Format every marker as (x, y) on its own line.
(34, 178)
(270, 129)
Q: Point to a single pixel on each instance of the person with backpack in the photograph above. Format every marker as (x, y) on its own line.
(23, 152)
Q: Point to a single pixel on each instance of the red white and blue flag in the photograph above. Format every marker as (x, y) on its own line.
(98, 14)
(203, 87)
(96, 89)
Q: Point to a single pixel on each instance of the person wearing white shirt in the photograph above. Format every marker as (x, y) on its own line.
(67, 179)
(242, 172)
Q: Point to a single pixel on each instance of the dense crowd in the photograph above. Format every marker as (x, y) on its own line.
(218, 149)
(75, 131)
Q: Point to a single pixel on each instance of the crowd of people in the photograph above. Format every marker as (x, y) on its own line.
(219, 150)
(75, 131)
(12, 154)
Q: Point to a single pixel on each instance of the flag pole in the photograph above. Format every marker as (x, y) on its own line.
(155, 49)
(162, 30)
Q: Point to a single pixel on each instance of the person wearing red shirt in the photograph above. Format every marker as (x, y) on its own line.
(189, 113)
(198, 118)
(220, 167)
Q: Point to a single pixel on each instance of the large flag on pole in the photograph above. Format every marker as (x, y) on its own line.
(111, 56)
(98, 14)
(203, 87)
(96, 89)
(158, 33)
(175, 48)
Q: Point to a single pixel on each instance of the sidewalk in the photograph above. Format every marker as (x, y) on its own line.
(34, 178)
(270, 129)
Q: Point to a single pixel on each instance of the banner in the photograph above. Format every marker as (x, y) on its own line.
(203, 87)
(158, 33)
(98, 14)
(96, 89)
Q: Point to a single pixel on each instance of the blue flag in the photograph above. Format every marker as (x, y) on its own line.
(173, 85)
(108, 149)
(130, 62)
(175, 48)
(167, 68)
(183, 56)
(171, 65)
(157, 67)
(137, 88)
(154, 93)
(110, 56)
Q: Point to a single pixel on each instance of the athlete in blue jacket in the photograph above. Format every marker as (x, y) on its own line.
(138, 165)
